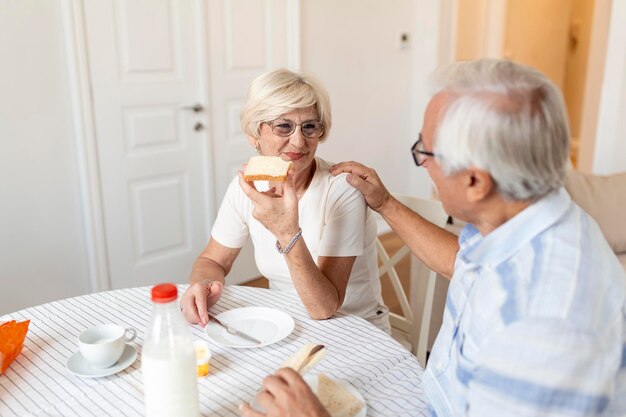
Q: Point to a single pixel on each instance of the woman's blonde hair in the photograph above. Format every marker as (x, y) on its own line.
(281, 91)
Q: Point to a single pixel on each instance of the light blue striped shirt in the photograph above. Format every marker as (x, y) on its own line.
(535, 320)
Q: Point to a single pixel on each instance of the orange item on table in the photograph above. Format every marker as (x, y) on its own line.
(12, 335)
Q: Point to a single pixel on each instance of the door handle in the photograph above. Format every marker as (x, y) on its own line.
(196, 108)
(198, 127)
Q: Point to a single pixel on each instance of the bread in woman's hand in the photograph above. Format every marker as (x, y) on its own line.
(270, 168)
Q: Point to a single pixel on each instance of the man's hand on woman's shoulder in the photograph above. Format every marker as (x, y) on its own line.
(365, 180)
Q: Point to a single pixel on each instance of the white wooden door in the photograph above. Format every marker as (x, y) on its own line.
(246, 39)
(145, 59)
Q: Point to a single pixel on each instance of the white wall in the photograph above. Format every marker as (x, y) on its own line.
(610, 147)
(352, 46)
(42, 254)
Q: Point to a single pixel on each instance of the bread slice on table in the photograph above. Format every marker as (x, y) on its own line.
(337, 400)
(268, 168)
(297, 358)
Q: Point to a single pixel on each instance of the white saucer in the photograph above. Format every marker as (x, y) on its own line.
(78, 366)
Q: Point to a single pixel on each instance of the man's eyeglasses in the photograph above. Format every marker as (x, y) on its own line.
(418, 152)
(311, 129)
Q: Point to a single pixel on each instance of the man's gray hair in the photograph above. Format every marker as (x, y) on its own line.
(507, 119)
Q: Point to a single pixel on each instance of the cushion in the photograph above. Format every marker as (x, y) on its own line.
(604, 198)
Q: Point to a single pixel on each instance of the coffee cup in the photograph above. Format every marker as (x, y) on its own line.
(102, 346)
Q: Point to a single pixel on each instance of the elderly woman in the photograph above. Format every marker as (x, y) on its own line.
(312, 234)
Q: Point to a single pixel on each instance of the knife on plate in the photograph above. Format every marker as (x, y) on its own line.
(230, 329)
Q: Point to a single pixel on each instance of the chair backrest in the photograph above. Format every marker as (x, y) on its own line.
(416, 314)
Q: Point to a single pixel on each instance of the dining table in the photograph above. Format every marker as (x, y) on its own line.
(39, 382)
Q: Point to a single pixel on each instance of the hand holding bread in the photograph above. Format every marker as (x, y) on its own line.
(333, 396)
(276, 209)
(286, 394)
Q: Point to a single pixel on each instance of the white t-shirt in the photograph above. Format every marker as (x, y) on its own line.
(335, 221)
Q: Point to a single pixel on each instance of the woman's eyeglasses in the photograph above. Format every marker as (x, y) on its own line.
(311, 129)
(418, 152)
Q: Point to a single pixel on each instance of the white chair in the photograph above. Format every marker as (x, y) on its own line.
(416, 315)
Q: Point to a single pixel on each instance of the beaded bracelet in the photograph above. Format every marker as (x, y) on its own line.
(292, 242)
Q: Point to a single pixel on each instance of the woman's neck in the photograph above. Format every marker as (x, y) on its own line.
(304, 178)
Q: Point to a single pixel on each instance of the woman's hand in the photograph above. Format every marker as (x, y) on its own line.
(278, 213)
(198, 298)
(286, 395)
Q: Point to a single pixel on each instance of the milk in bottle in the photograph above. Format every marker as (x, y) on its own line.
(168, 362)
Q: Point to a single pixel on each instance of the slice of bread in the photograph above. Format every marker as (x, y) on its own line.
(336, 398)
(269, 168)
(297, 358)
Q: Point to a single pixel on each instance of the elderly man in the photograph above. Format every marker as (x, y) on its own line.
(535, 317)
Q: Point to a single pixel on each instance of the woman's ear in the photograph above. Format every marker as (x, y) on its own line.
(255, 143)
(479, 185)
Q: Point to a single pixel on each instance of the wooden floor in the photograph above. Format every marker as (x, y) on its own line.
(391, 243)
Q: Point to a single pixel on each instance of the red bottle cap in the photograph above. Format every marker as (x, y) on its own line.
(164, 293)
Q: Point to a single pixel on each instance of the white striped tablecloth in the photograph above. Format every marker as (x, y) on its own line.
(38, 383)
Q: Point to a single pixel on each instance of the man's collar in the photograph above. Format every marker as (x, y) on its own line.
(503, 241)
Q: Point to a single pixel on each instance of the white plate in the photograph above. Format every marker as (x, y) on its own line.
(77, 365)
(268, 325)
(312, 381)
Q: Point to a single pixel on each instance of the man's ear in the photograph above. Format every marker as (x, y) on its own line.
(479, 184)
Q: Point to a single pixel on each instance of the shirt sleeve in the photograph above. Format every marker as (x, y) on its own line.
(231, 226)
(544, 367)
(344, 221)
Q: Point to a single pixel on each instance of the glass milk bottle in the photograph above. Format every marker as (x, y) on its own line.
(168, 361)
